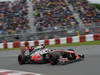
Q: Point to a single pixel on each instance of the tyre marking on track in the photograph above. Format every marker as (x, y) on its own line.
(14, 72)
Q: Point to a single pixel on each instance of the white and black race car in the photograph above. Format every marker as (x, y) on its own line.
(45, 55)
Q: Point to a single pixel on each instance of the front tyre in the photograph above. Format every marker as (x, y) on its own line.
(71, 56)
(54, 60)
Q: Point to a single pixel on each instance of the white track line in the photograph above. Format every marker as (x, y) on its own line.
(14, 72)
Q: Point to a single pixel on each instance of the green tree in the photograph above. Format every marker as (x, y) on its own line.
(96, 5)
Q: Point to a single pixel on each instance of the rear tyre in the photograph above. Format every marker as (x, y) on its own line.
(21, 59)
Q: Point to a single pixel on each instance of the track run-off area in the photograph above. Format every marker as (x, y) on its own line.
(89, 66)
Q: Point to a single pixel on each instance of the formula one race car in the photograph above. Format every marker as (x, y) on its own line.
(52, 56)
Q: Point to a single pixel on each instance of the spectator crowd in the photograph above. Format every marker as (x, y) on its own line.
(87, 13)
(13, 16)
(53, 15)
(50, 16)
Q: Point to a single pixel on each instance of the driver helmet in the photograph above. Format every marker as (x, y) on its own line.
(42, 46)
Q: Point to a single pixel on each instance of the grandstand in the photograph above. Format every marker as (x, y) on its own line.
(46, 19)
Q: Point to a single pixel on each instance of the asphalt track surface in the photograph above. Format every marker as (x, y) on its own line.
(89, 66)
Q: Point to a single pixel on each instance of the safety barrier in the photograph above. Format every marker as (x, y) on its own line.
(65, 40)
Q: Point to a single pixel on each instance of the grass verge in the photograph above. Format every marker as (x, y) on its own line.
(62, 45)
